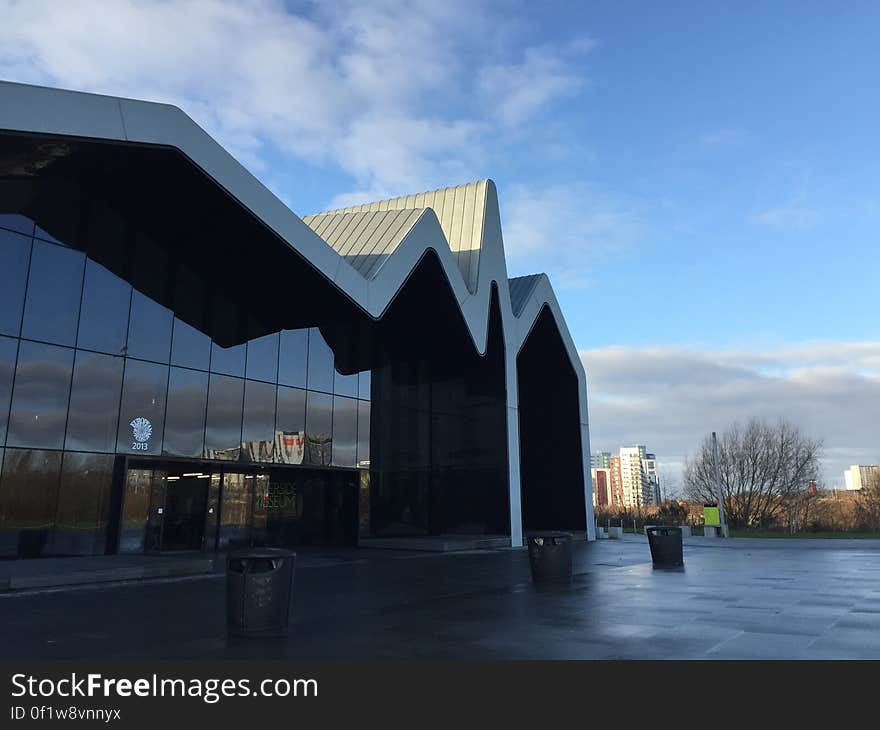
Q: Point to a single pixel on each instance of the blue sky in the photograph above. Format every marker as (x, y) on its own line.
(701, 180)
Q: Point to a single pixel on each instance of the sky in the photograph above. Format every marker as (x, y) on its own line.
(700, 180)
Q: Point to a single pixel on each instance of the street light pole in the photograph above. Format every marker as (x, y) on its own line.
(721, 520)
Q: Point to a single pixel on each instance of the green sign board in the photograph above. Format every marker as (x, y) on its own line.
(711, 516)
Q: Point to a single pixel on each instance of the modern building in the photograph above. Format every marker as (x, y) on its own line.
(185, 364)
(600, 460)
(859, 476)
(637, 488)
(649, 462)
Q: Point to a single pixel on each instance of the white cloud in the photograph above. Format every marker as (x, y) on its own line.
(384, 91)
(517, 91)
(669, 398)
(568, 228)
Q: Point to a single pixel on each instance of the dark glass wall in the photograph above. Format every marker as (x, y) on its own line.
(91, 364)
(438, 456)
(551, 458)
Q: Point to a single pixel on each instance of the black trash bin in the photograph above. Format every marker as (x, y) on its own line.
(665, 542)
(259, 584)
(550, 556)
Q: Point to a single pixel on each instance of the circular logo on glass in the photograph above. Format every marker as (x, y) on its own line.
(141, 429)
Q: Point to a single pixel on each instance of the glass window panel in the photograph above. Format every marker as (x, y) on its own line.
(17, 222)
(14, 253)
(228, 360)
(103, 324)
(40, 395)
(83, 504)
(290, 425)
(365, 381)
(135, 510)
(8, 351)
(258, 429)
(223, 431)
(319, 417)
(149, 329)
(94, 402)
(345, 414)
(51, 308)
(142, 415)
(185, 415)
(345, 384)
(363, 444)
(28, 498)
(189, 347)
(320, 362)
(262, 358)
(225, 319)
(293, 358)
(46, 236)
(236, 509)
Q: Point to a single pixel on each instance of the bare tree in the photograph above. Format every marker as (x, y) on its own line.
(868, 505)
(766, 470)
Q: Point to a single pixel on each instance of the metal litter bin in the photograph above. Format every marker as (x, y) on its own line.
(665, 542)
(259, 584)
(550, 556)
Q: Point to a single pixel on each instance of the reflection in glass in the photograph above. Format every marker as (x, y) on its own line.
(40, 395)
(345, 384)
(258, 429)
(293, 357)
(319, 415)
(142, 415)
(189, 347)
(363, 438)
(364, 384)
(261, 512)
(235, 510)
(8, 350)
(51, 308)
(149, 329)
(14, 253)
(28, 497)
(103, 324)
(94, 402)
(135, 510)
(262, 358)
(290, 425)
(185, 415)
(83, 504)
(223, 430)
(17, 222)
(228, 360)
(320, 362)
(345, 413)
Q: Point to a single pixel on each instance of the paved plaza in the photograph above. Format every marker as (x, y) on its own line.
(734, 599)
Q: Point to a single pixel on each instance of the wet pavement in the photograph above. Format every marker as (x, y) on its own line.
(779, 599)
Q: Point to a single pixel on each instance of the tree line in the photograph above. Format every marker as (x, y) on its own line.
(770, 478)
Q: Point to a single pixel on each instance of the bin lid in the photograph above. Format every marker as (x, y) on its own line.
(260, 552)
(546, 534)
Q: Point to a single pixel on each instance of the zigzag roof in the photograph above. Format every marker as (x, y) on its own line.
(367, 251)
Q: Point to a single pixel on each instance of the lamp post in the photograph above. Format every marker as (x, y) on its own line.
(721, 520)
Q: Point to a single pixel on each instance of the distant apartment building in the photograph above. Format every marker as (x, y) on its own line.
(600, 460)
(601, 486)
(616, 482)
(649, 462)
(634, 479)
(859, 476)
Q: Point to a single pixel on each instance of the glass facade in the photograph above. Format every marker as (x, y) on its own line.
(93, 369)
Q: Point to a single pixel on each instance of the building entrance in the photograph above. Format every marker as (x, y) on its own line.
(186, 503)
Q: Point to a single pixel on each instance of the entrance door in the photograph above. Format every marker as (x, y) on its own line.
(186, 502)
